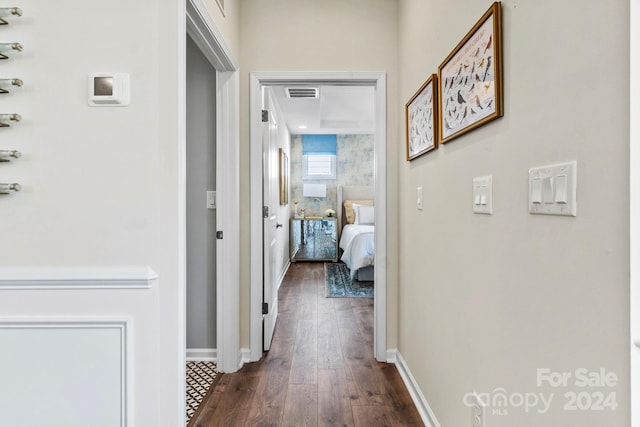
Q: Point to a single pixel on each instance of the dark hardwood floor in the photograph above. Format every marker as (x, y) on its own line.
(320, 370)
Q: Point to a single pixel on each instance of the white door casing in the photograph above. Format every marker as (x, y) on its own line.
(257, 81)
(270, 232)
(208, 38)
(634, 203)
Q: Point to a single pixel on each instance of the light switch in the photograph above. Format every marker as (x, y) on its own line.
(561, 189)
(552, 189)
(419, 200)
(482, 195)
(536, 191)
(211, 199)
(547, 190)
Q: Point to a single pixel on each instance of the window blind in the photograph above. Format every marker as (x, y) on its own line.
(319, 144)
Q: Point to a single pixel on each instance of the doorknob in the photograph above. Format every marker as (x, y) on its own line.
(636, 342)
(278, 225)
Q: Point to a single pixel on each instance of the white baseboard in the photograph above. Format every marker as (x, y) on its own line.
(244, 357)
(284, 273)
(427, 415)
(202, 355)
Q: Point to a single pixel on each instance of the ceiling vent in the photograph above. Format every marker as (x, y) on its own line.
(302, 92)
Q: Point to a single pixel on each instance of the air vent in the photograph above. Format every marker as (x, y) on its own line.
(302, 92)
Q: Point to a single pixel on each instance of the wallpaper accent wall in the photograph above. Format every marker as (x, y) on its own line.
(354, 166)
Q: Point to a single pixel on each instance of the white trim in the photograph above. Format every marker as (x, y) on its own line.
(380, 236)
(255, 214)
(202, 355)
(284, 273)
(206, 36)
(256, 81)
(228, 249)
(58, 278)
(181, 206)
(427, 415)
(245, 357)
(634, 205)
(124, 325)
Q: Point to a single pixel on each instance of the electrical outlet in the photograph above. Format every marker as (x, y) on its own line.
(477, 412)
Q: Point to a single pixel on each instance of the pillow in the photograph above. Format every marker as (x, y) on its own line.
(349, 213)
(364, 215)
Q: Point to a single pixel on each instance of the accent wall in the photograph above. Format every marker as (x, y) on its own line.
(354, 166)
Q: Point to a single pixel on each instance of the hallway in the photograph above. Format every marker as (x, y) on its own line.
(320, 370)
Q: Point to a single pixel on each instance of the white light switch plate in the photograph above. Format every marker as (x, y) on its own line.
(552, 189)
(483, 195)
(419, 198)
(211, 199)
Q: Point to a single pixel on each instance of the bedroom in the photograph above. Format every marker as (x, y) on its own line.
(331, 160)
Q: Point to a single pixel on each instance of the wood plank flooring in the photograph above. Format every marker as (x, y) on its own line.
(320, 370)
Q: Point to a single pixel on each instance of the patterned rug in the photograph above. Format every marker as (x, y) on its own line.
(200, 378)
(338, 283)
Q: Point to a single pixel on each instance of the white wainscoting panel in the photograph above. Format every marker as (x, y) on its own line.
(72, 372)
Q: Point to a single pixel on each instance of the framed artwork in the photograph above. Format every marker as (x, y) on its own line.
(221, 6)
(284, 177)
(470, 79)
(421, 120)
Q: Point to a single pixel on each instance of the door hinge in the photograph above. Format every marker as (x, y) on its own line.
(265, 308)
(219, 235)
(265, 115)
(265, 212)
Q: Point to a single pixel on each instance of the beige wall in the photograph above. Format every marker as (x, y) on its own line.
(227, 22)
(307, 35)
(486, 300)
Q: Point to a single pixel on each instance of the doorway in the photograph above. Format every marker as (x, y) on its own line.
(258, 81)
(202, 30)
(201, 216)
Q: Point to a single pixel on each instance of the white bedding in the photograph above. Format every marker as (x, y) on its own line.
(357, 243)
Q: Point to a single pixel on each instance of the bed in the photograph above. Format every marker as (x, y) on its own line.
(356, 230)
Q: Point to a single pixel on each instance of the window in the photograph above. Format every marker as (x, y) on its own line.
(319, 166)
(319, 156)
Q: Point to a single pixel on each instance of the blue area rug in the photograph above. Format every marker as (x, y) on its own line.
(338, 283)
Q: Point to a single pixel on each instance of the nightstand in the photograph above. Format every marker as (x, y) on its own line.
(314, 239)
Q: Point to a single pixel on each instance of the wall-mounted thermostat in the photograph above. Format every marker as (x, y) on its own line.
(109, 89)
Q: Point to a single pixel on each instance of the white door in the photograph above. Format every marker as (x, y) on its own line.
(270, 200)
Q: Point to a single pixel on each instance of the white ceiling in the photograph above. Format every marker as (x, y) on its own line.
(338, 110)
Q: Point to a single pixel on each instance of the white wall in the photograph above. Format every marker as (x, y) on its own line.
(100, 184)
(201, 222)
(301, 35)
(487, 300)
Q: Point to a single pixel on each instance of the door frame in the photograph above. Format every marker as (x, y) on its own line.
(375, 79)
(634, 205)
(209, 40)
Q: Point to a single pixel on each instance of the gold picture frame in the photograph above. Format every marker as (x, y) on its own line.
(283, 177)
(470, 79)
(421, 119)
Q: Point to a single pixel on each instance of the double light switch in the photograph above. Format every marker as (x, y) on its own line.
(552, 189)
(483, 195)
